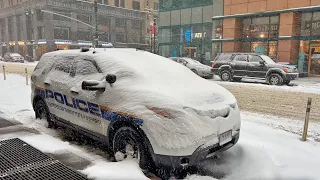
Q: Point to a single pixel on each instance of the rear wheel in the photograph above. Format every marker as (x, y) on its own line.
(225, 75)
(275, 79)
(42, 112)
(128, 143)
(194, 71)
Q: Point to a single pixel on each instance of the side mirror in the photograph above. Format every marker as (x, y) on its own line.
(262, 62)
(111, 78)
(185, 63)
(92, 85)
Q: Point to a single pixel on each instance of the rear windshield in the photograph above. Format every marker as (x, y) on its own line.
(224, 57)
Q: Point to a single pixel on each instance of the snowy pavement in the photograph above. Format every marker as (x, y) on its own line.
(269, 146)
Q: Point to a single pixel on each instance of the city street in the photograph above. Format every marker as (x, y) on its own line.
(260, 152)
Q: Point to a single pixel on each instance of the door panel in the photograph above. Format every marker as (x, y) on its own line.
(240, 63)
(255, 69)
(57, 87)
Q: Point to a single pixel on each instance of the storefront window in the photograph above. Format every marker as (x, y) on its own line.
(207, 31)
(175, 34)
(310, 24)
(187, 34)
(164, 36)
(217, 33)
(196, 34)
(268, 48)
(262, 27)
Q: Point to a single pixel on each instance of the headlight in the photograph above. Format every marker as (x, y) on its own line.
(288, 70)
(161, 112)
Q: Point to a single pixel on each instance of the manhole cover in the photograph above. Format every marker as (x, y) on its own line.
(19, 160)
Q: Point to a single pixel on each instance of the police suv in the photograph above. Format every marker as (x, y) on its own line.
(142, 105)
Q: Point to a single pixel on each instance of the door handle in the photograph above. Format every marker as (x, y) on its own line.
(46, 83)
(74, 92)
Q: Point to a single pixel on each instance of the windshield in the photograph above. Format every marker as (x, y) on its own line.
(267, 59)
(191, 61)
(15, 55)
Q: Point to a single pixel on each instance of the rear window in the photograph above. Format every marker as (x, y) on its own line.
(224, 57)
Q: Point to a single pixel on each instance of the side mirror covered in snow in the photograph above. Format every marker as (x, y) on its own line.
(92, 85)
(262, 62)
(111, 78)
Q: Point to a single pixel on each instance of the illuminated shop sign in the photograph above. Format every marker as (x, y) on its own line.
(189, 35)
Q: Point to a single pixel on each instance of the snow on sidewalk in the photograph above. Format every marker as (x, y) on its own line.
(269, 147)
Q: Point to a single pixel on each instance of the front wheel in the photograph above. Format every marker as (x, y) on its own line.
(225, 75)
(128, 144)
(275, 79)
(43, 113)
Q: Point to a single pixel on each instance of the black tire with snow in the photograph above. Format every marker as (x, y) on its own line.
(275, 79)
(225, 75)
(42, 112)
(128, 135)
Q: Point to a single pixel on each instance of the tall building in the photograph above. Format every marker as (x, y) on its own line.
(186, 27)
(286, 30)
(34, 27)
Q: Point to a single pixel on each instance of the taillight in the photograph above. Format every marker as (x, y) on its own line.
(214, 64)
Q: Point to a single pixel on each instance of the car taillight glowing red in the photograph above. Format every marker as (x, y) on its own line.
(214, 64)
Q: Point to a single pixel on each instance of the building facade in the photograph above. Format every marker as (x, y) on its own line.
(186, 27)
(286, 30)
(33, 27)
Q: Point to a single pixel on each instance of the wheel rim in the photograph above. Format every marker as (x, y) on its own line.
(128, 146)
(274, 80)
(225, 76)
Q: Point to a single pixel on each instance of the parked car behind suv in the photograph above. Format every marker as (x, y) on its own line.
(195, 66)
(235, 66)
(13, 57)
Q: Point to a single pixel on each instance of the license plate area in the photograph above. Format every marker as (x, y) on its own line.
(225, 137)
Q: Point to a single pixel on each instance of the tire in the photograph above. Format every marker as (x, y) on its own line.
(275, 79)
(225, 75)
(42, 112)
(194, 71)
(126, 137)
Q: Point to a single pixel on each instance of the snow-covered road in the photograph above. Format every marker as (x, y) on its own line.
(269, 146)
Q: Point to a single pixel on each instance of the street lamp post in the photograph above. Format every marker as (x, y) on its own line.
(95, 12)
(154, 35)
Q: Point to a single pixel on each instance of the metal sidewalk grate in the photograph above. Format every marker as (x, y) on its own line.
(19, 160)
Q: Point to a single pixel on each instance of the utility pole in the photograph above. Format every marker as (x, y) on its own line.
(95, 13)
(154, 35)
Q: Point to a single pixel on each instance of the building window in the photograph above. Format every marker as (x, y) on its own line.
(102, 2)
(1, 4)
(41, 32)
(120, 3)
(261, 27)
(155, 6)
(310, 24)
(84, 35)
(120, 22)
(62, 33)
(84, 18)
(39, 14)
(10, 2)
(135, 24)
(120, 37)
(135, 5)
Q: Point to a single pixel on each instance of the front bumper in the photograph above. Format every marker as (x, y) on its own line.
(183, 162)
(291, 76)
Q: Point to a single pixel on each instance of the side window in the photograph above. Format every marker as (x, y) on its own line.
(224, 57)
(86, 67)
(240, 57)
(181, 61)
(253, 58)
(63, 64)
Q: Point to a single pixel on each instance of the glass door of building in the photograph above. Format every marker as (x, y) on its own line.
(190, 52)
(314, 61)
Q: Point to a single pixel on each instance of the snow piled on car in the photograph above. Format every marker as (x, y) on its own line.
(146, 81)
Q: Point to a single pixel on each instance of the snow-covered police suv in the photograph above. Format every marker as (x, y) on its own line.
(142, 105)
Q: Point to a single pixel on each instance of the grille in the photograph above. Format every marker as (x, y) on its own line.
(19, 160)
